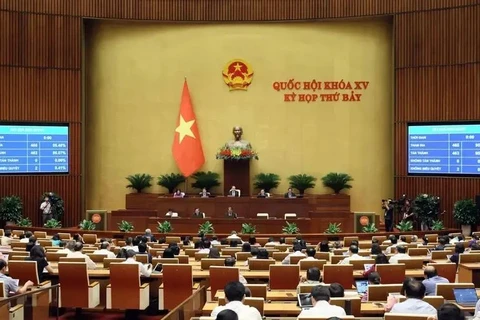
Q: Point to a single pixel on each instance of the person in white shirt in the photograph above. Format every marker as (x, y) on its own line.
(310, 254)
(233, 236)
(234, 297)
(129, 245)
(314, 276)
(171, 213)
(271, 242)
(105, 249)
(6, 238)
(353, 255)
(297, 251)
(66, 247)
(144, 270)
(393, 244)
(414, 291)
(401, 255)
(233, 192)
(215, 241)
(28, 234)
(230, 262)
(206, 247)
(46, 208)
(77, 253)
(321, 305)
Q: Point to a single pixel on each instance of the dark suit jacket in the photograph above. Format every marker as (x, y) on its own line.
(232, 215)
(200, 215)
(293, 195)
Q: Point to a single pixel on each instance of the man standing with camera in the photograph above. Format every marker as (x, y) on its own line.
(387, 206)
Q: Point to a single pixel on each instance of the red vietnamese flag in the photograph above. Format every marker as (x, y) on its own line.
(187, 145)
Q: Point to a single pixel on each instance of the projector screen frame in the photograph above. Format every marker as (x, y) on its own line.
(43, 124)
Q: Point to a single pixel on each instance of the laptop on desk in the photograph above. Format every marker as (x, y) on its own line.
(157, 269)
(465, 297)
(362, 286)
(304, 300)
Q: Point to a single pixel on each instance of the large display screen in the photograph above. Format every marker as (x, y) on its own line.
(444, 149)
(33, 149)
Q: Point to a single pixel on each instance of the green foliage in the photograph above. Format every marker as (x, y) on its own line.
(290, 228)
(139, 181)
(266, 181)
(87, 225)
(437, 225)
(164, 227)
(465, 212)
(170, 181)
(333, 228)
(337, 181)
(370, 228)
(405, 225)
(24, 222)
(52, 223)
(57, 205)
(426, 208)
(302, 182)
(206, 228)
(248, 228)
(11, 208)
(125, 226)
(206, 180)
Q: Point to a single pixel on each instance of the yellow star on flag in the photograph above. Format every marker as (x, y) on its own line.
(185, 129)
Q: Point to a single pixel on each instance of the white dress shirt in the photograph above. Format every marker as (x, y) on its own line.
(398, 256)
(109, 253)
(272, 243)
(134, 248)
(143, 270)
(204, 250)
(323, 309)
(64, 250)
(414, 306)
(244, 312)
(295, 254)
(215, 242)
(389, 249)
(78, 254)
(24, 240)
(354, 256)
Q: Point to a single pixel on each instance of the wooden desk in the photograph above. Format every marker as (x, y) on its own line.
(469, 272)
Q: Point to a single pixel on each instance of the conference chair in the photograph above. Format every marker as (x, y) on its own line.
(446, 270)
(21, 246)
(74, 259)
(365, 253)
(391, 273)
(281, 247)
(340, 273)
(284, 277)
(206, 263)
(322, 255)
(17, 233)
(64, 236)
(296, 259)
(96, 257)
(201, 255)
(336, 258)
(380, 292)
(155, 252)
(469, 258)
(176, 287)
(75, 290)
(45, 243)
(165, 261)
(262, 215)
(412, 263)
(231, 251)
(307, 264)
(219, 277)
(289, 215)
(260, 264)
(12, 257)
(262, 241)
(380, 238)
(360, 263)
(182, 259)
(40, 234)
(90, 238)
(270, 252)
(23, 254)
(446, 289)
(307, 287)
(347, 241)
(355, 305)
(143, 258)
(279, 256)
(108, 261)
(323, 318)
(417, 252)
(172, 239)
(402, 316)
(55, 256)
(191, 252)
(16, 312)
(432, 238)
(2, 232)
(440, 254)
(25, 271)
(258, 290)
(125, 290)
(243, 256)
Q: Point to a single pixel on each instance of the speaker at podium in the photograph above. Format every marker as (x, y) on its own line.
(362, 219)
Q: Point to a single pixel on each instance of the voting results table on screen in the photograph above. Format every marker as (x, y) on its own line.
(33, 149)
(444, 149)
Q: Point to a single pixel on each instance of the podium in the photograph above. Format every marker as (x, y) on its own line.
(236, 173)
(362, 219)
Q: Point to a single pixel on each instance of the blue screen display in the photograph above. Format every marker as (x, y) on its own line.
(33, 149)
(444, 149)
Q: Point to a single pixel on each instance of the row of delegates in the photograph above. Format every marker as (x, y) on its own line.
(234, 192)
(197, 213)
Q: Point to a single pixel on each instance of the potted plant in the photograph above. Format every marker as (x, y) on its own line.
(437, 225)
(370, 228)
(139, 181)
(404, 226)
(52, 223)
(206, 228)
(170, 181)
(465, 212)
(266, 181)
(11, 208)
(125, 226)
(248, 228)
(302, 182)
(337, 181)
(333, 228)
(24, 222)
(87, 225)
(164, 227)
(426, 207)
(290, 228)
(57, 205)
(206, 180)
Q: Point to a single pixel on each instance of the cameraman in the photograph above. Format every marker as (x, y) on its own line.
(46, 208)
(387, 207)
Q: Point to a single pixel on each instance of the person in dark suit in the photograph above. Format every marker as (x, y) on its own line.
(388, 214)
(233, 192)
(230, 214)
(289, 194)
(198, 214)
